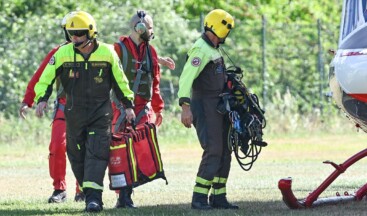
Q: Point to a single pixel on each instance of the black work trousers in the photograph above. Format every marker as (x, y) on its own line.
(88, 131)
(212, 129)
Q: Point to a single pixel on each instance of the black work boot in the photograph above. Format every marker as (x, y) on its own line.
(124, 200)
(200, 201)
(93, 206)
(58, 196)
(220, 202)
(93, 200)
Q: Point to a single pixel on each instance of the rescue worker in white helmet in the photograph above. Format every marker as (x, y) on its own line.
(88, 70)
(140, 62)
(201, 83)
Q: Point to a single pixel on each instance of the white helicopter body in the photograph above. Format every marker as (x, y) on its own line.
(348, 69)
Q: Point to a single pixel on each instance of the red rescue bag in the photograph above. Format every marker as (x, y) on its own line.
(122, 163)
(135, 158)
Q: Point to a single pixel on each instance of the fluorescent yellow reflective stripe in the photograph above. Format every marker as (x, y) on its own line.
(152, 176)
(201, 190)
(91, 133)
(203, 181)
(92, 185)
(156, 150)
(118, 147)
(80, 188)
(220, 180)
(100, 72)
(135, 174)
(219, 191)
(78, 146)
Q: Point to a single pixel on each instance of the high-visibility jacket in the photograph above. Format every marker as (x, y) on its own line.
(86, 81)
(203, 73)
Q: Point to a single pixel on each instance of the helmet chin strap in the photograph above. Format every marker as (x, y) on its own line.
(78, 44)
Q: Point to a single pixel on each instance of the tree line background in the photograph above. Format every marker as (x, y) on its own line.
(280, 44)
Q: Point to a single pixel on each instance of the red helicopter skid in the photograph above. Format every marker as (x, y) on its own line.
(285, 186)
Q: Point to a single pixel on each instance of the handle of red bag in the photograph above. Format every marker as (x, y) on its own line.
(133, 124)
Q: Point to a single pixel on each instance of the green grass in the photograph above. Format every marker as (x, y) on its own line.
(25, 184)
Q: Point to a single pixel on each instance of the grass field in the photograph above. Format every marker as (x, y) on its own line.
(25, 184)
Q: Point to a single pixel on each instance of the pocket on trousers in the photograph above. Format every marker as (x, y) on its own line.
(100, 146)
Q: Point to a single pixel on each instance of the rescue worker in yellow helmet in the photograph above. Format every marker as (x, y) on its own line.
(88, 70)
(57, 147)
(201, 82)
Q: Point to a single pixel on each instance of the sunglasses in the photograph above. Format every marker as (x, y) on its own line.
(77, 33)
(229, 26)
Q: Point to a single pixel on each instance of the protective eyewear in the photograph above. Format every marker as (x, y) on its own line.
(77, 33)
(229, 26)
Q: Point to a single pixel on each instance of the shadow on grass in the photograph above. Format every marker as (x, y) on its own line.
(245, 208)
(55, 211)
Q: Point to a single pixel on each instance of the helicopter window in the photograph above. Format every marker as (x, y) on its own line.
(355, 15)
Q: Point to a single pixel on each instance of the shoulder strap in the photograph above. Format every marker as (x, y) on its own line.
(60, 90)
(148, 57)
(124, 55)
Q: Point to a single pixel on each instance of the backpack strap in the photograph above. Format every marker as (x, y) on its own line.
(139, 73)
(120, 123)
(142, 113)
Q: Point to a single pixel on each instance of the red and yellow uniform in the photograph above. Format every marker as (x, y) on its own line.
(147, 94)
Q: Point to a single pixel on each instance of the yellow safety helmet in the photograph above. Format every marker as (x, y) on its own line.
(80, 20)
(63, 21)
(219, 22)
(63, 24)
